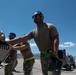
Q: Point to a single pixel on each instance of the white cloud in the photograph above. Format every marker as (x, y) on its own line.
(6, 39)
(33, 45)
(67, 44)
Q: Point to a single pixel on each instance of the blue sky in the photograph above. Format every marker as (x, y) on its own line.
(16, 16)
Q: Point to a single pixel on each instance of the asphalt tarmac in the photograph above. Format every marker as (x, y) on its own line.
(36, 69)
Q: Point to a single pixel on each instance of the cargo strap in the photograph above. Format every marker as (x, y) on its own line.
(46, 51)
(30, 58)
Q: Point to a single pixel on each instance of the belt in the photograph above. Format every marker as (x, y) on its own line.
(30, 58)
(46, 51)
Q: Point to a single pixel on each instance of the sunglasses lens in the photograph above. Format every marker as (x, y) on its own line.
(34, 16)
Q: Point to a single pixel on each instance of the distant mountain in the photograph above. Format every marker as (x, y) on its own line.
(19, 56)
(37, 56)
(74, 57)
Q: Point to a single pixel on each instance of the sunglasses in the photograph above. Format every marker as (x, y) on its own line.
(34, 16)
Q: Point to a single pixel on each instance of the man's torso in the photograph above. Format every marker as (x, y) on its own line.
(42, 36)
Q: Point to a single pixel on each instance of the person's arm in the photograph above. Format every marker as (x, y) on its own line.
(18, 40)
(55, 44)
(22, 47)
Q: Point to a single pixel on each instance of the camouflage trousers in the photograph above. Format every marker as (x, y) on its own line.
(28, 66)
(9, 68)
(45, 61)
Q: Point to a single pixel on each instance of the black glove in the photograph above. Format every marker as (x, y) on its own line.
(55, 64)
(54, 58)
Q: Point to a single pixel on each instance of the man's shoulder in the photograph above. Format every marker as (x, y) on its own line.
(50, 25)
(31, 31)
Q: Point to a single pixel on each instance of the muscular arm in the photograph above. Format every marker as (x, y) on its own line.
(18, 40)
(55, 44)
(16, 47)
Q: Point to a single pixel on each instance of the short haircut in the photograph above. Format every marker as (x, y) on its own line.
(12, 34)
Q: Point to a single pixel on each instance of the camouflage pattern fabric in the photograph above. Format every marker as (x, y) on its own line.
(28, 66)
(45, 61)
(9, 68)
